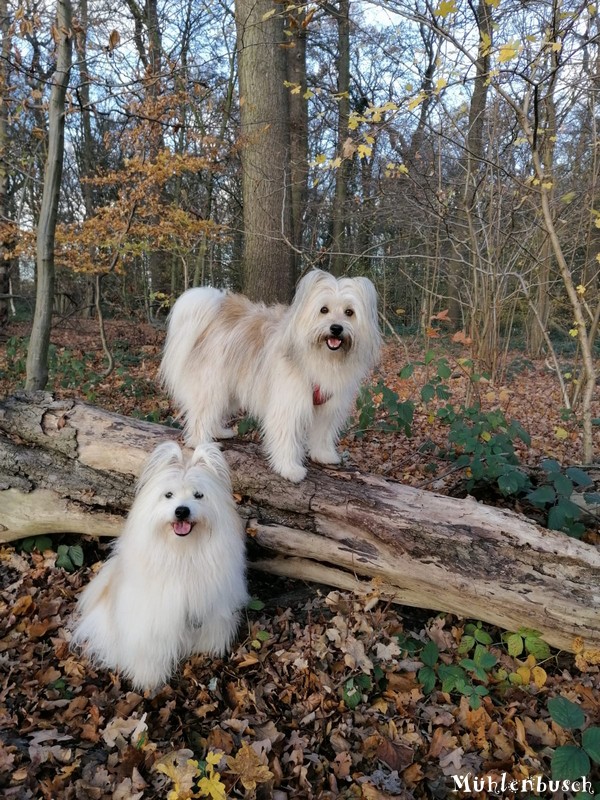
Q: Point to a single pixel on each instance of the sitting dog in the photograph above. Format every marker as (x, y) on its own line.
(295, 369)
(175, 582)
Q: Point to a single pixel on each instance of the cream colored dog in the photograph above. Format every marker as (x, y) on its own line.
(295, 369)
(175, 582)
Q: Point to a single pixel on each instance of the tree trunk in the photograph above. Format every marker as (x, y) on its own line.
(298, 106)
(37, 352)
(5, 261)
(268, 263)
(464, 250)
(339, 255)
(67, 466)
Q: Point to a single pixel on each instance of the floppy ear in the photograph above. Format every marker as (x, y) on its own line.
(368, 295)
(166, 454)
(210, 455)
(308, 284)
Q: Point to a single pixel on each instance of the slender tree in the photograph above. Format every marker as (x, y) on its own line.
(37, 354)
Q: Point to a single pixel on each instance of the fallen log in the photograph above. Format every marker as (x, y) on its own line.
(68, 466)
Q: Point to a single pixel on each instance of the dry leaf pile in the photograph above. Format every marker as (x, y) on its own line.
(319, 700)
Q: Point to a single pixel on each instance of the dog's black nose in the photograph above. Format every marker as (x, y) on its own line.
(336, 330)
(182, 512)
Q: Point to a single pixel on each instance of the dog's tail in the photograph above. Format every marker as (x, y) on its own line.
(190, 317)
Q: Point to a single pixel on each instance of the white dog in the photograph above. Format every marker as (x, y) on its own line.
(295, 369)
(175, 582)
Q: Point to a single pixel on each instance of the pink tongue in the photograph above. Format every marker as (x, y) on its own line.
(334, 342)
(182, 528)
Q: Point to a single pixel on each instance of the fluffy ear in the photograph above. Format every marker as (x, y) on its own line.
(165, 455)
(368, 295)
(309, 283)
(210, 455)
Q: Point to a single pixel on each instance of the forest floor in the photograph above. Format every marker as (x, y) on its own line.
(327, 694)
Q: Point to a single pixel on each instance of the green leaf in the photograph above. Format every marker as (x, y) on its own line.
(466, 643)
(407, 371)
(351, 695)
(578, 476)
(569, 763)
(514, 644)
(566, 714)
(426, 677)
(76, 555)
(508, 483)
(429, 356)
(64, 562)
(443, 370)
(549, 465)
(542, 496)
(591, 743)
(430, 654)
(562, 485)
(482, 636)
(427, 392)
(255, 604)
(537, 647)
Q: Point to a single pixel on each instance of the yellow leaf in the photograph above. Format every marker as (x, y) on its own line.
(580, 289)
(211, 786)
(574, 332)
(493, 3)
(539, 676)
(335, 163)
(308, 94)
(268, 14)
(507, 52)
(354, 121)
(441, 84)
(180, 769)
(568, 197)
(364, 151)
(546, 184)
(412, 104)
(369, 139)
(561, 434)
(556, 47)
(486, 436)
(485, 44)
(524, 673)
(320, 159)
(591, 10)
(445, 7)
(296, 89)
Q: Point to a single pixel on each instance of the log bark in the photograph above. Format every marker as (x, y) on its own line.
(68, 466)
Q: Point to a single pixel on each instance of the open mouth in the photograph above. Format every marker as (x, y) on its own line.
(333, 343)
(182, 527)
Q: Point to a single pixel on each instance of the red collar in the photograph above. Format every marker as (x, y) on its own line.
(318, 397)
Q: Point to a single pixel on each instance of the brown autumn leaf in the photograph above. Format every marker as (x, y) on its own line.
(248, 767)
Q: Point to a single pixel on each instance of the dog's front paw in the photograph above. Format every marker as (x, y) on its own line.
(224, 433)
(294, 472)
(326, 457)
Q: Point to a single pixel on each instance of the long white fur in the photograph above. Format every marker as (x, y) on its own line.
(160, 597)
(224, 353)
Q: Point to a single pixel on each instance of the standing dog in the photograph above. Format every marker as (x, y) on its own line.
(296, 369)
(175, 582)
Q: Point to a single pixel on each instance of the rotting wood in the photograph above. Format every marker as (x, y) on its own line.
(68, 466)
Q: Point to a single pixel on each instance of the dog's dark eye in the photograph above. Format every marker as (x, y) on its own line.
(324, 310)
(169, 495)
(349, 312)
(198, 495)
